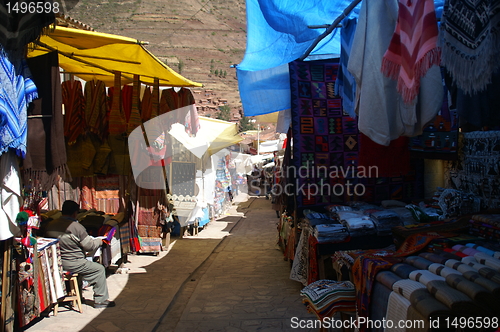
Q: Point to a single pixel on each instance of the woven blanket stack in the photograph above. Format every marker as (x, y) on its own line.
(331, 233)
(486, 226)
(356, 222)
(326, 297)
(384, 220)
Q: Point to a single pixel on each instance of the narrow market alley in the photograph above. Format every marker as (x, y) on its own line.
(230, 277)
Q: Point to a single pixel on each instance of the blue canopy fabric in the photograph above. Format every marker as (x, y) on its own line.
(277, 34)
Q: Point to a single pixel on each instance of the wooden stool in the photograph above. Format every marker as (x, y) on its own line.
(71, 280)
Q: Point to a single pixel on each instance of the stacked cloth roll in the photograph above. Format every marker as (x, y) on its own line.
(384, 220)
(331, 233)
(326, 297)
(486, 226)
(356, 222)
(316, 218)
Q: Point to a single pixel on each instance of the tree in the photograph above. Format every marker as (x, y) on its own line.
(246, 124)
(224, 113)
(224, 75)
(217, 72)
(212, 66)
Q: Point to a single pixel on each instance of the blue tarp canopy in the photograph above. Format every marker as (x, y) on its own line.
(277, 34)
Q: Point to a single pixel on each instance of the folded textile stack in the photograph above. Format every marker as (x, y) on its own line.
(316, 218)
(357, 223)
(325, 297)
(331, 233)
(384, 221)
(486, 226)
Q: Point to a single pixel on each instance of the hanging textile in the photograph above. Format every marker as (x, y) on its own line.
(390, 161)
(413, 48)
(183, 103)
(18, 28)
(10, 195)
(134, 120)
(322, 136)
(146, 105)
(96, 108)
(46, 159)
(74, 116)
(17, 90)
(117, 122)
(382, 114)
(470, 32)
(345, 85)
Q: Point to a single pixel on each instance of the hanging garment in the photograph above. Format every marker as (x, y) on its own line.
(18, 28)
(469, 41)
(10, 195)
(96, 108)
(146, 105)
(134, 119)
(74, 115)
(117, 123)
(16, 90)
(183, 103)
(413, 48)
(383, 115)
(46, 159)
(345, 85)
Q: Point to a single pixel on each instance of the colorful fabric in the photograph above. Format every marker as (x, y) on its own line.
(117, 124)
(382, 113)
(390, 161)
(413, 49)
(313, 272)
(74, 114)
(46, 159)
(96, 108)
(322, 135)
(345, 85)
(17, 90)
(18, 27)
(134, 120)
(183, 103)
(146, 105)
(469, 42)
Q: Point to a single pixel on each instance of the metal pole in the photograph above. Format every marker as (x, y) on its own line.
(258, 139)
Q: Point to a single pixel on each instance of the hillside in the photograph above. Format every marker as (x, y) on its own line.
(194, 37)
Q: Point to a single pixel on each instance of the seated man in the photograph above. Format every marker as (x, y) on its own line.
(75, 242)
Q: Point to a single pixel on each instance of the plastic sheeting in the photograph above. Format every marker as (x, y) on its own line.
(277, 34)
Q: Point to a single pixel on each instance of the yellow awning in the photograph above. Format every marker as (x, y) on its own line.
(90, 54)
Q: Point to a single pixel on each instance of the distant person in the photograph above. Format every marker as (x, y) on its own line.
(75, 242)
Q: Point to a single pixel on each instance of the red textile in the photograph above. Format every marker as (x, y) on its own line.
(391, 161)
(413, 48)
(74, 116)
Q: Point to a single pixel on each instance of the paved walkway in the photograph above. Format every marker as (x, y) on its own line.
(230, 277)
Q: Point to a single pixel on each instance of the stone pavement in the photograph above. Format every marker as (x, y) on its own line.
(229, 277)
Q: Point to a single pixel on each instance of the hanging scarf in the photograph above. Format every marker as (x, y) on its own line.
(74, 116)
(470, 32)
(413, 49)
(16, 91)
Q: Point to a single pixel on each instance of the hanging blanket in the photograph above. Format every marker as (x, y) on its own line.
(74, 116)
(470, 32)
(46, 155)
(16, 91)
(413, 49)
(18, 28)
